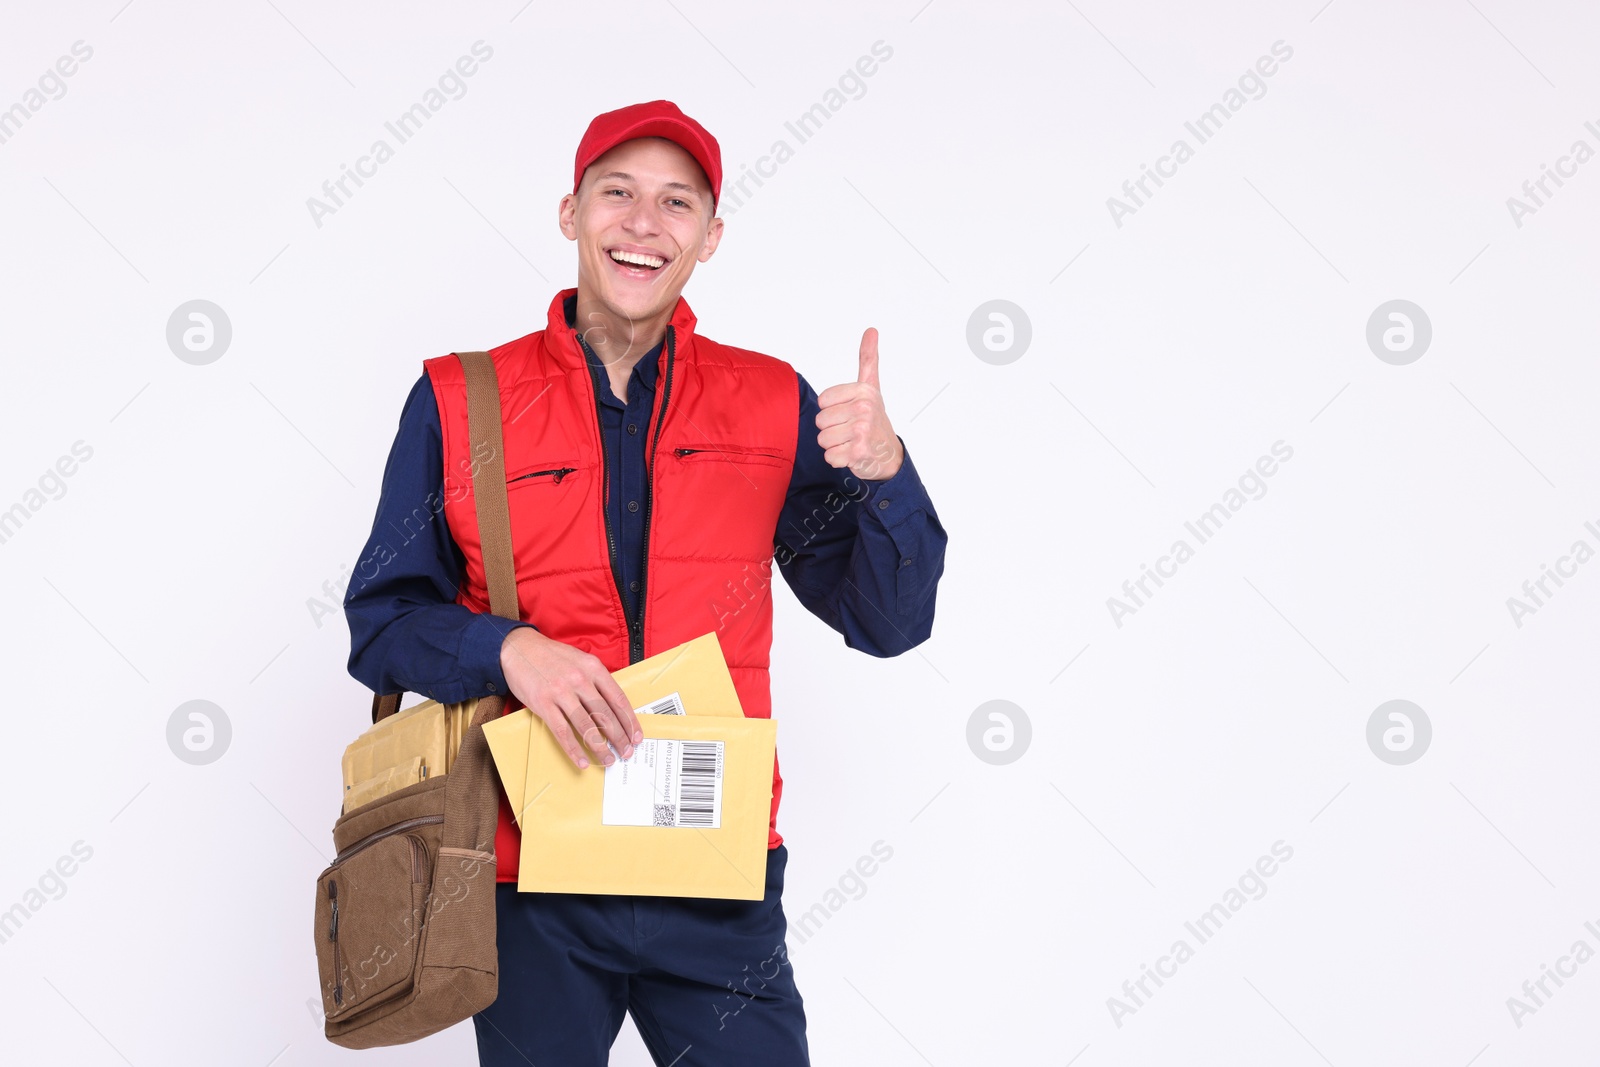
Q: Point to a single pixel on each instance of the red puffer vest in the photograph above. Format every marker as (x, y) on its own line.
(721, 450)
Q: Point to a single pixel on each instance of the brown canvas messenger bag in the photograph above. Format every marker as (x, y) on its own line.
(405, 913)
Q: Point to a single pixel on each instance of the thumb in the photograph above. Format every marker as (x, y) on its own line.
(868, 374)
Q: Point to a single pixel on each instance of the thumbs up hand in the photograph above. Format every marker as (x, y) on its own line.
(855, 430)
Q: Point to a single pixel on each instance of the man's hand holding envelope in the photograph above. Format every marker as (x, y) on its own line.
(572, 693)
(682, 812)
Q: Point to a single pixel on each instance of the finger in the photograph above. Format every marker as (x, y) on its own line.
(618, 700)
(869, 358)
(836, 415)
(585, 729)
(609, 722)
(839, 394)
(551, 716)
(837, 456)
(836, 435)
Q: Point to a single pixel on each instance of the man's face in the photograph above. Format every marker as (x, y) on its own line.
(645, 198)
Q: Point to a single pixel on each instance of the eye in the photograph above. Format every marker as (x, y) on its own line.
(678, 200)
(623, 191)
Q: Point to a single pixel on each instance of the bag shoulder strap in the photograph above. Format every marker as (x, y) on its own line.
(489, 483)
(488, 496)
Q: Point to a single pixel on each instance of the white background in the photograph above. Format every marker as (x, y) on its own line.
(1229, 312)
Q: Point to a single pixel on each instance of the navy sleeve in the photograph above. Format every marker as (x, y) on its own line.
(863, 556)
(407, 634)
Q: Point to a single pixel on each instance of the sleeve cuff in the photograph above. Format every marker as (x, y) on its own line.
(893, 498)
(480, 654)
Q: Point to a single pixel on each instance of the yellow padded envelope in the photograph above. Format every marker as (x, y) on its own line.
(695, 670)
(573, 841)
(572, 849)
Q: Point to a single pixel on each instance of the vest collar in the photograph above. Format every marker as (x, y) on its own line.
(567, 351)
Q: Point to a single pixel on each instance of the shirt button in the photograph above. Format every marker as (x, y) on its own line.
(882, 504)
(906, 562)
(633, 505)
(491, 687)
(633, 586)
(633, 427)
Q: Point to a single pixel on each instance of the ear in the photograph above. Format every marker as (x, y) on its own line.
(567, 216)
(713, 238)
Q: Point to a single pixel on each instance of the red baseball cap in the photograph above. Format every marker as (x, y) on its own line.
(658, 118)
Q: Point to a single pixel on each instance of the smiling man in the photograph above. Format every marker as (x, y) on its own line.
(654, 476)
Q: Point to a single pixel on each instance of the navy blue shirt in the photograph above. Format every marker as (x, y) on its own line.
(622, 432)
(863, 556)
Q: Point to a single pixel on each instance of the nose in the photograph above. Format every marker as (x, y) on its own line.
(643, 219)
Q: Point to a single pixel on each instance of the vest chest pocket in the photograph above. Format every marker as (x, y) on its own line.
(540, 474)
(547, 501)
(727, 452)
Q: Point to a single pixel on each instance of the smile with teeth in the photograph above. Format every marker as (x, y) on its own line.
(637, 260)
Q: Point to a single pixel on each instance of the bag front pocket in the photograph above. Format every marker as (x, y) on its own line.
(370, 903)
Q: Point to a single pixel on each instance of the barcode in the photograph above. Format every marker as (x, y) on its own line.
(667, 705)
(697, 772)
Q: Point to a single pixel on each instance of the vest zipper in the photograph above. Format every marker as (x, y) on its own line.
(649, 490)
(635, 623)
(605, 482)
(559, 472)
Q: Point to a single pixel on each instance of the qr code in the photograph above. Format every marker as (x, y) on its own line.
(665, 815)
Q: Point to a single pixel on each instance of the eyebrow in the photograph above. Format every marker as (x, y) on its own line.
(628, 178)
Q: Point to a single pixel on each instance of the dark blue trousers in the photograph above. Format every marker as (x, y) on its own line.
(708, 982)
